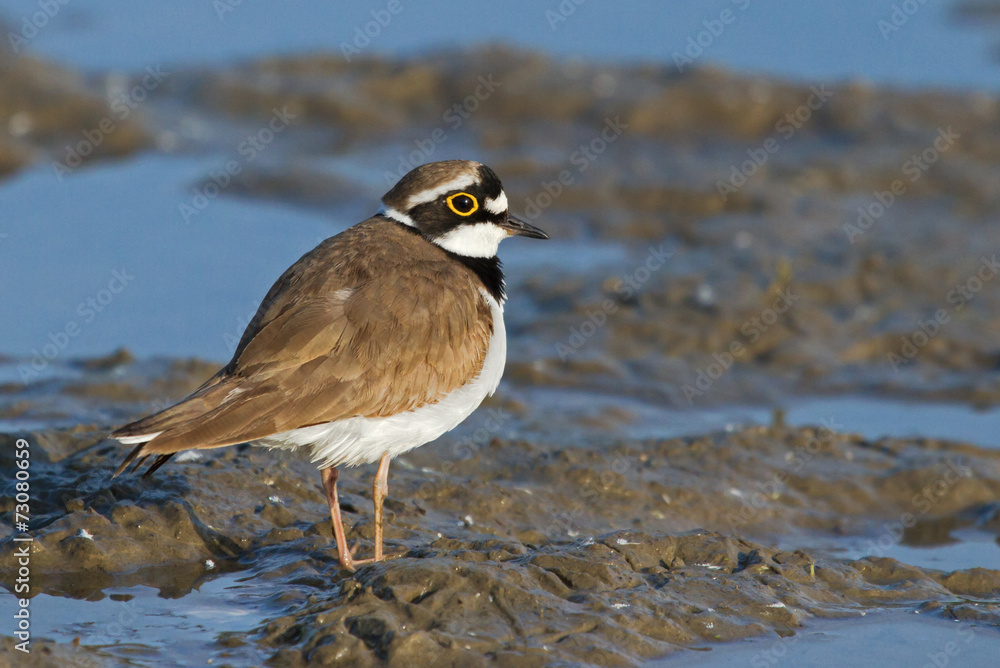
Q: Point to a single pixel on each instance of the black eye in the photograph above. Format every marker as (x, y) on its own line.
(463, 204)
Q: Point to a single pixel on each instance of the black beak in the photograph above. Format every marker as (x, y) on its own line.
(523, 229)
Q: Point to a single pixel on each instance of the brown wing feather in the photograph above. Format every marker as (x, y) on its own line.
(373, 322)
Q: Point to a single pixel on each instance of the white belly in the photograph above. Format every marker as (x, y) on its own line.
(360, 440)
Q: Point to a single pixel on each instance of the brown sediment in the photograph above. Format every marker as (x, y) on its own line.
(793, 224)
(46, 110)
(526, 553)
(588, 547)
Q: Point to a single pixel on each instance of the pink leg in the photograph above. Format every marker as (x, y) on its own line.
(330, 486)
(380, 490)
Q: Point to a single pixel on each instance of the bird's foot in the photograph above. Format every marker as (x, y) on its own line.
(348, 561)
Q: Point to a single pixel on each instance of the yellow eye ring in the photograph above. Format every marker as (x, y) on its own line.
(451, 204)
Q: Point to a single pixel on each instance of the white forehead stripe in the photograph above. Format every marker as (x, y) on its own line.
(398, 216)
(479, 240)
(498, 205)
(460, 183)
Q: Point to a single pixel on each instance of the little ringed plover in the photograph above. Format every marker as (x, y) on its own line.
(377, 341)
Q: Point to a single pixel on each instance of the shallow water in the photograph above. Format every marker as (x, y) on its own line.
(959, 549)
(931, 48)
(627, 565)
(141, 626)
(882, 638)
(873, 417)
(215, 269)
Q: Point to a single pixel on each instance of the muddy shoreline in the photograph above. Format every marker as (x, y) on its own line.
(528, 554)
(730, 250)
(538, 551)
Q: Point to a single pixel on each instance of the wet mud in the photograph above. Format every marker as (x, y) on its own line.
(53, 115)
(518, 553)
(752, 265)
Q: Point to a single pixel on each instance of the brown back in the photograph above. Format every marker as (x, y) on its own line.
(372, 322)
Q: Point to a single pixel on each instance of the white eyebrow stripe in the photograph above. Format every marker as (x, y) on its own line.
(398, 216)
(460, 183)
(498, 205)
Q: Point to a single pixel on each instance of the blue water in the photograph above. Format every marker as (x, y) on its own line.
(145, 624)
(888, 638)
(189, 288)
(820, 42)
(106, 255)
(181, 286)
(872, 417)
(110, 261)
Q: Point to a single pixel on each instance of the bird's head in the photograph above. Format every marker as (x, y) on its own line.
(459, 205)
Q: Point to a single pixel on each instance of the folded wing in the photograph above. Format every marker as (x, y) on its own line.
(334, 341)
